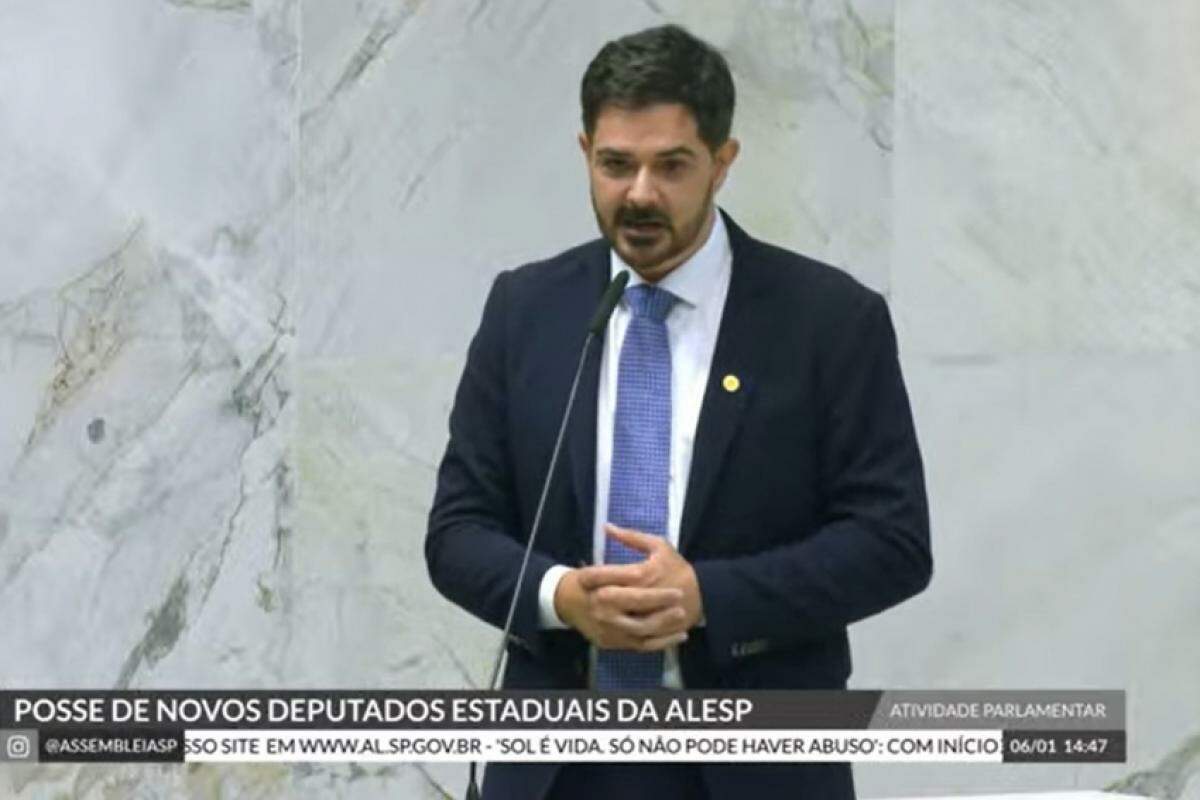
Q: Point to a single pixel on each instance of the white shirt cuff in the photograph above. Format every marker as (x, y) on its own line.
(548, 617)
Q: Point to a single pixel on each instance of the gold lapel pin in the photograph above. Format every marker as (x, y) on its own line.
(731, 383)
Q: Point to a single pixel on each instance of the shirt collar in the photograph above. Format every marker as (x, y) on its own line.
(693, 280)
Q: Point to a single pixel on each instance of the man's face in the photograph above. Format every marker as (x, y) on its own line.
(653, 179)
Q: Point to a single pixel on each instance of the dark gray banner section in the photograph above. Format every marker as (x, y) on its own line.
(399, 710)
(80, 745)
(1067, 710)
(20, 746)
(1062, 747)
(1030, 710)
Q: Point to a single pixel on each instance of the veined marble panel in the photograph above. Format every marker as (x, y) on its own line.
(367, 475)
(1049, 178)
(1066, 532)
(146, 251)
(145, 483)
(1045, 278)
(314, 781)
(439, 146)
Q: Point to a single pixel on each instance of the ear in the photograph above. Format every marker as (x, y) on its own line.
(585, 145)
(724, 157)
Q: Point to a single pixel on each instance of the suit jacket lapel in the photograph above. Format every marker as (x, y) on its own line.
(741, 341)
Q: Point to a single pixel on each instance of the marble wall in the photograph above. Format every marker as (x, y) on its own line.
(243, 246)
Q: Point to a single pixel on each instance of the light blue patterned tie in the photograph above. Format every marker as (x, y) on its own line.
(641, 461)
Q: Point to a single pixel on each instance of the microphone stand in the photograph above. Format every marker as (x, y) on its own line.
(598, 322)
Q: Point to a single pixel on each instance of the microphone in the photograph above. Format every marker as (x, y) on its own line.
(608, 301)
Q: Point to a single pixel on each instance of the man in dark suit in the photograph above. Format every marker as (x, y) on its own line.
(741, 478)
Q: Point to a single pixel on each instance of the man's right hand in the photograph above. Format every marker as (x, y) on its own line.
(616, 617)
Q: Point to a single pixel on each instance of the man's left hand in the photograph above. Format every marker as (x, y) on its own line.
(663, 567)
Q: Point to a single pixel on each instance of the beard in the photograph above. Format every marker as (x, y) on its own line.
(646, 238)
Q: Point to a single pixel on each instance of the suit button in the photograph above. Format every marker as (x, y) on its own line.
(751, 648)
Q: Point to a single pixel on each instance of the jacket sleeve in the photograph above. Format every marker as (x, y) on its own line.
(871, 549)
(473, 547)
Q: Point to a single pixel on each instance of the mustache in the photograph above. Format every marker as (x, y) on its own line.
(641, 216)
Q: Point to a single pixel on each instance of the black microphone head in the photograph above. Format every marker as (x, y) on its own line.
(608, 302)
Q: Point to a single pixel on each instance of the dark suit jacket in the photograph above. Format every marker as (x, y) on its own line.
(805, 508)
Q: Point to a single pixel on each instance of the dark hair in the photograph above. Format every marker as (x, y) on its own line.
(661, 65)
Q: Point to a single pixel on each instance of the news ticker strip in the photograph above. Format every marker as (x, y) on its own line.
(257, 746)
(1007, 710)
(317, 725)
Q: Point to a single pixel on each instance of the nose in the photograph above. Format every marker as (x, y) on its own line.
(642, 191)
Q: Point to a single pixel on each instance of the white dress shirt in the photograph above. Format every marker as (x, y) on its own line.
(701, 283)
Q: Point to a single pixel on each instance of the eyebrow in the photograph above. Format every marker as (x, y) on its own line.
(681, 150)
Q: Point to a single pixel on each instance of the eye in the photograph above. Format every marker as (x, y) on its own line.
(674, 166)
(614, 166)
